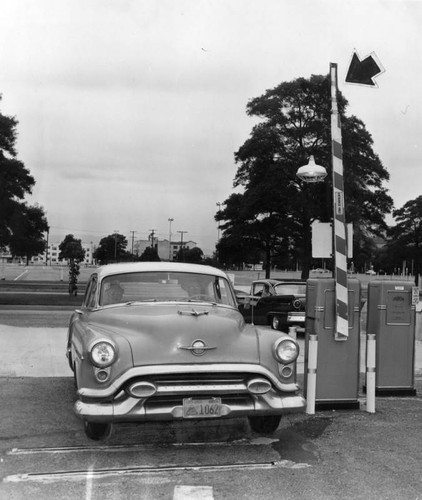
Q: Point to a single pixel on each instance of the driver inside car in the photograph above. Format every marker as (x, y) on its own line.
(114, 294)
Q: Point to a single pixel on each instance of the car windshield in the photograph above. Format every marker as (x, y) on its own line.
(290, 289)
(165, 286)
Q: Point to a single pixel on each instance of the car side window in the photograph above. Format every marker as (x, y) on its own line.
(90, 293)
(258, 288)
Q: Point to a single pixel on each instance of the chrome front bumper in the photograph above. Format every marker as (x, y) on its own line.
(126, 408)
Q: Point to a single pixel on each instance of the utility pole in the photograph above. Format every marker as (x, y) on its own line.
(181, 242)
(151, 237)
(133, 236)
(170, 220)
(115, 244)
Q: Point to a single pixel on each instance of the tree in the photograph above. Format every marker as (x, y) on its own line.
(112, 248)
(275, 208)
(193, 255)
(150, 254)
(406, 235)
(27, 231)
(72, 251)
(15, 181)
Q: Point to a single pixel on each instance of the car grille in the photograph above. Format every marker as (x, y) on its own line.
(194, 384)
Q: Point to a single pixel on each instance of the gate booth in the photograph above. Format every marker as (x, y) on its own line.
(338, 361)
(391, 319)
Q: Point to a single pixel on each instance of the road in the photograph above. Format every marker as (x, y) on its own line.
(44, 452)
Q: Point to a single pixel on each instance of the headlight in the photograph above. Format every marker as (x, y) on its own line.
(103, 354)
(286, 351)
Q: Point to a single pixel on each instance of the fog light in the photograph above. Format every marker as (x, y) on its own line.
(275, 323)
(287, 371)
(102, 374)
(142, 389)
(259, 386)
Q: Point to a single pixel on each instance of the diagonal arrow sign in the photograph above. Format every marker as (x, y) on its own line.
(363, 72)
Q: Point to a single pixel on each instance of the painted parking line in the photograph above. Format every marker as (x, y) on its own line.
(147, 470)
(185, 492)
(21, 274)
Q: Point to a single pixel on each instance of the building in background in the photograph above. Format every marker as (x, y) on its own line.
(51, 256)
(165, 250)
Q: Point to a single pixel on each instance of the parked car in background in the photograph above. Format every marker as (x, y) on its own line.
(320, 270)
(166, 341)
(278, 303)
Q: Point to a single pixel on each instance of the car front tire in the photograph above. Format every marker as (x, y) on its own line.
(265, 424)
(98, 431)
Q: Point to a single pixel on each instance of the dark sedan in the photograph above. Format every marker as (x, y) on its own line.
(280, 304)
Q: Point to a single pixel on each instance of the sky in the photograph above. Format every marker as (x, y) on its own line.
(130, 111)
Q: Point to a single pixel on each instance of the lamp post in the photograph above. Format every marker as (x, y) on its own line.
(170, 220)
(315, 173)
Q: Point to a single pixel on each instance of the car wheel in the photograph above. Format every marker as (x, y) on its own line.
(264, 425)
(97, 431)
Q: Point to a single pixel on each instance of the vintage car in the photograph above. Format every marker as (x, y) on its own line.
(166, 341)
(279, 303)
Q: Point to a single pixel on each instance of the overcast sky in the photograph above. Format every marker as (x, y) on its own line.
(130, 111)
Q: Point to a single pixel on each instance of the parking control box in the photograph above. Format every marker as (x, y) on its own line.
(391, 318)
(337, 378)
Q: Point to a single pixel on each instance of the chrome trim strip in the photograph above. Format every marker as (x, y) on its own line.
(142, 371)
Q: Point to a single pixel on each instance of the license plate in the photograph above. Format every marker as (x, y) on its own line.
(298, 319)
(201, 408)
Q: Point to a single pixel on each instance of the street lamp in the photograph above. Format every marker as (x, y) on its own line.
(170, 221)
(311, 172)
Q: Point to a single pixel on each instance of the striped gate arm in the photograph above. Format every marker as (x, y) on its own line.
(340, 244)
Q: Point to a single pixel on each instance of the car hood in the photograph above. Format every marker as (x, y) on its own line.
(164, 333)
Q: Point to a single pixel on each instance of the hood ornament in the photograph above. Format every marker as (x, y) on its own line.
(193, 313)
(198, 347)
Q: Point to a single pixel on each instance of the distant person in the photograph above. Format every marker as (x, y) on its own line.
(114, 294)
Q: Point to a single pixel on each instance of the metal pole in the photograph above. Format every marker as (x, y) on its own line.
(312, 374)
(339, 219)
(370, 372)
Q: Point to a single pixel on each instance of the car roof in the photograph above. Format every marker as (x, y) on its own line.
(139, 267)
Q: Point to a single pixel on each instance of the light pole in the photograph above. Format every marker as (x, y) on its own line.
(170, 220)
(315, 173)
